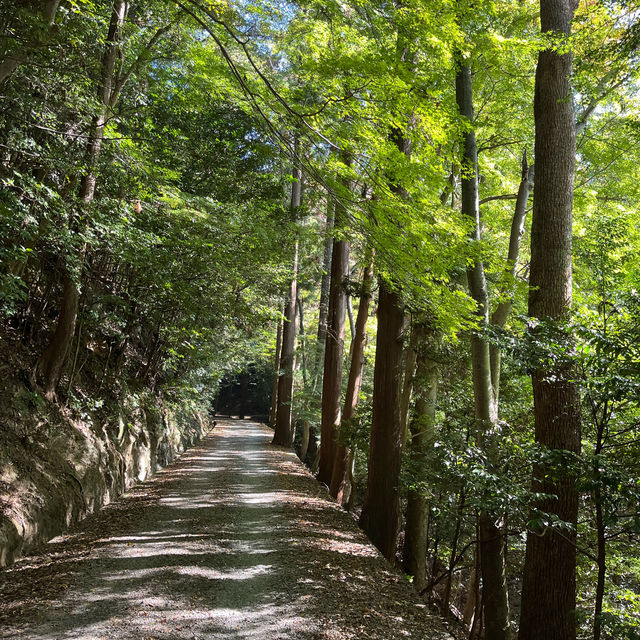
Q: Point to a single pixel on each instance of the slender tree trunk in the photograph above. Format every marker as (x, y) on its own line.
(549, 580)
(283, 434)
(494, 585)
(421, 439)
(18, 57)
(472, 592)
(503, 310)
(407, 385)
(51, 363)
(340, 487)
(602, 565)
(380, 518)
(303, 351)
(445, 608)
(325, 286)
(244, 395)
(304, 445)
(276, 377)
(352, 324)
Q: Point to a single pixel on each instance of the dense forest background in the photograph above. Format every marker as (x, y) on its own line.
(353, 216)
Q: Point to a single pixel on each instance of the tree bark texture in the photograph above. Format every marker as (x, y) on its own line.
(276, 377)
(494, 585)
(340, 479)
(380, 518)
(325, 285)
(503, 310)
(407, 384)
(549, 579)
(303, 352)
(333, 353)
(283, 434)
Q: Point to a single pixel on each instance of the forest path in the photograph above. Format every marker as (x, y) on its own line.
(236, 540)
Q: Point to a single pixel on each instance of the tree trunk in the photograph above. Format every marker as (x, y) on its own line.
(244, 396)
(333, 352)
(340, 485)
(602, 565)
(352, 324)
(421, 439)
(503, 310)
(276, 377)
(303, 351)
(51, 362)
(472, 593)
(325, 285)
(283, 434)
(380, 518)
(407, 385)
(549, 579)
(445, 608)
(494, 586)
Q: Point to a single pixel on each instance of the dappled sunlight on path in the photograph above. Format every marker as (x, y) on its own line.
(236, 540)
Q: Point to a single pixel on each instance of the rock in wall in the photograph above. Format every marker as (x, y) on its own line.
(58, 465)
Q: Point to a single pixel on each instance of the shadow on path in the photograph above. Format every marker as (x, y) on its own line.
(234, 541)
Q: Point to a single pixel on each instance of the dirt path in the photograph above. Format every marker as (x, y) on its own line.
(235, 541)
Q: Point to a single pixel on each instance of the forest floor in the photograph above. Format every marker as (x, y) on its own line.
(236, 540)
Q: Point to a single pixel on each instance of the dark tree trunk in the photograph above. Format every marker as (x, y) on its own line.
(494, 586)
(340, 487)
(283, 434)
(380, 517)
(244, 396)
(325, 285)
(549, 580)
(333, 352)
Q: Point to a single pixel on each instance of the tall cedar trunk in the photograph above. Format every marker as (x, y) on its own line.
(333, 352)
(52, 361)
(340, 479)
(19, 56)
(549, 579)
(380, 518)
(494, 585)
(276, 377)
(421, 438)
(325, 285)
(283, 434)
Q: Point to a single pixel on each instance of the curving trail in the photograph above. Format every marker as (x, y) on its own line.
(236, 540)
